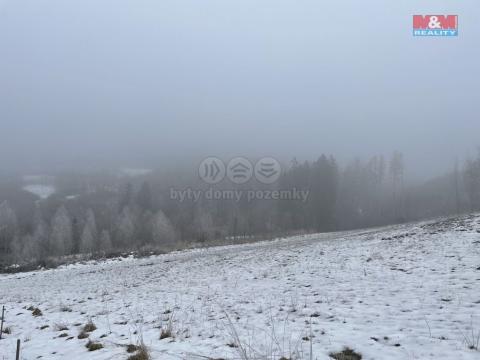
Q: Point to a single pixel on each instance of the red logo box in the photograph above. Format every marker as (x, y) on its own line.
(435, 25)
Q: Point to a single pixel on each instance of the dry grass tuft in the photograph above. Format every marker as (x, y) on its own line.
(93, 346)
(89, 327)
(82, 335)
(141, 354)
(346, 354)
(132, 348)
(36, 312)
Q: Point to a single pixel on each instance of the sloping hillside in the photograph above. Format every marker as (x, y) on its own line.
(402, 292)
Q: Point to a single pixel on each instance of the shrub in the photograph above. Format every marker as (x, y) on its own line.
(92, 346)
(132, 348)
(346, 354)
(83, 335)
(167, 331)
(141, 354)
(37, 312)
(89, 327)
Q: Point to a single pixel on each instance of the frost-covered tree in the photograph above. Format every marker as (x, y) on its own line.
(88, 241)
(29, 248)
(40, 239)
(16, 247)
(87, 244)
(40, 236)
(143, 233)
(61, 238)
(162, 229)
(105, 241)
(126, 228)
(8, 227)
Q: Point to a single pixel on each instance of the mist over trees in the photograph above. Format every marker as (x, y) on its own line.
(102, 214)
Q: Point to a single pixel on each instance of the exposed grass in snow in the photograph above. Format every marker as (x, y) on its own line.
(346, 354)
(93, 346)
(141, 353)
(471, 337)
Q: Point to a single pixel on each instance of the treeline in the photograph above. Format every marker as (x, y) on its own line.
(97, 222)
(104, 214)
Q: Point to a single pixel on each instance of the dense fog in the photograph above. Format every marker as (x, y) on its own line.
(111, 113)
(125, 83)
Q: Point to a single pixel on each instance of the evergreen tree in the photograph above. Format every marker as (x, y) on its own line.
(323, 192)
(8, 227)
(472, 181)
(76, 235)
(397, 174)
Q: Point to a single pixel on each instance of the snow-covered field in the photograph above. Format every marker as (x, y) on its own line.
(401, 292)
(42, 191)
(40, 185)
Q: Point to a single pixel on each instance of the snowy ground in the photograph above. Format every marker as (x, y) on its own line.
(403, 292)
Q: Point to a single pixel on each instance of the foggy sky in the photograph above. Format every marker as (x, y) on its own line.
(97, 82)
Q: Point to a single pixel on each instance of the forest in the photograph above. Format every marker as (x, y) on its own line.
(104, 214)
